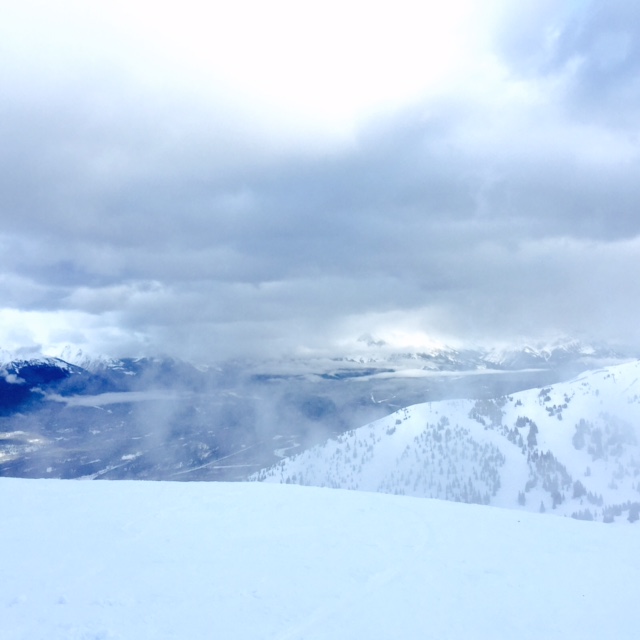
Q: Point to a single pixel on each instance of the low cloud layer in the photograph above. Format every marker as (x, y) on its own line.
(502, 203)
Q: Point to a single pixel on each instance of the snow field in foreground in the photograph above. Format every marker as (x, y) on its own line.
(132, 560)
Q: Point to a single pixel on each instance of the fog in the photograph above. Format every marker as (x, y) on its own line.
(164, 419)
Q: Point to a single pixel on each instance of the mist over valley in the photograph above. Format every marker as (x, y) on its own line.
(164, 419)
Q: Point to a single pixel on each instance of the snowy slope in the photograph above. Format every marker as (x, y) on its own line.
(168, 561)
(571, 449)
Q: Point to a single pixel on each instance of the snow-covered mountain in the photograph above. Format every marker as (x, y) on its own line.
(561, 352)
(572, 448)
(177, 561)
(79, 415)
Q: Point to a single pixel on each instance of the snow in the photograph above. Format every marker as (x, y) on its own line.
(479, 451)
(132, 560)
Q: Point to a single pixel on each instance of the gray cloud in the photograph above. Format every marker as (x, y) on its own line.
(593, 44)
(487, 214)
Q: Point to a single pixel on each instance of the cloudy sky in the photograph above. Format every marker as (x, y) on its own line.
(212, 179)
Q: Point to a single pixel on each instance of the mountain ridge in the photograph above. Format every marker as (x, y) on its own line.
(162, 418)
(572, 448)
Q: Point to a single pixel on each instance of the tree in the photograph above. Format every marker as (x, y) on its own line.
(532, 441)
(579, 489)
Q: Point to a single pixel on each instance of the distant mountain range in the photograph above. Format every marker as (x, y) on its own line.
(162, 418)
(572, 448)
(567, 354)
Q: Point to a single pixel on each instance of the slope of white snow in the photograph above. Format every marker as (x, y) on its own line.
(165, 561)
(570, 449)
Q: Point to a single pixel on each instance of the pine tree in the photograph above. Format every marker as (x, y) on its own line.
(532, 441)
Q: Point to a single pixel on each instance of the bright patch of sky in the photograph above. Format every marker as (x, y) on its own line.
(320, 64)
